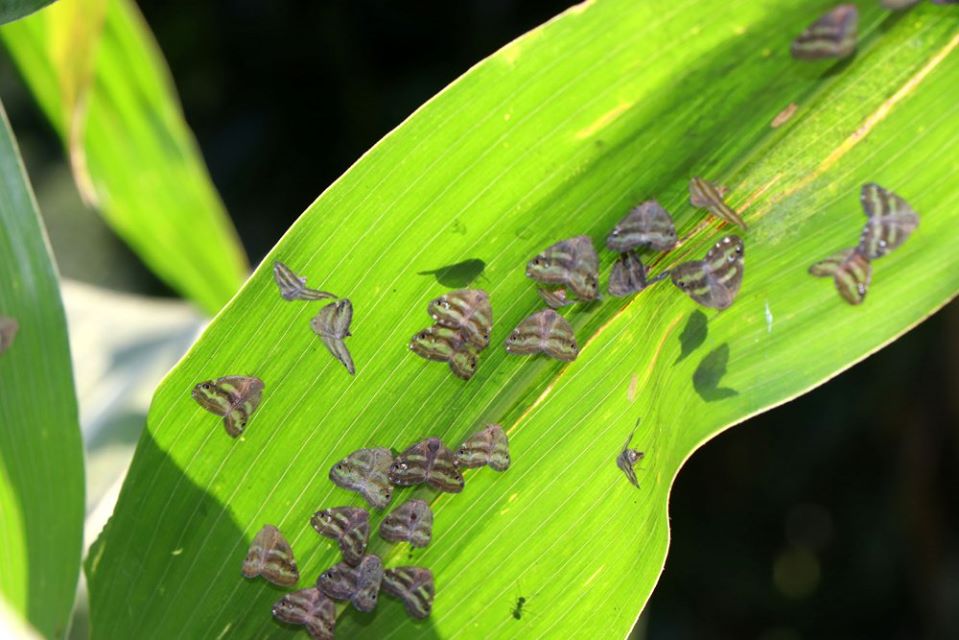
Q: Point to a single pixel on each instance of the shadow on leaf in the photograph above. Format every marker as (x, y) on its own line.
(710, 373)
(693, 335)
(457, 275)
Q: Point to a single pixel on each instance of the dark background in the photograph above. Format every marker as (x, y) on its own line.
(833, 516)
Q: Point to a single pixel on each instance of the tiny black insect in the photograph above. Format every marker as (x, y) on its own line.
(518, 609)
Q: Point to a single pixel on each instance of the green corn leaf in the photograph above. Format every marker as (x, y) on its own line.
(11, 10)
(41, 456)
(555, 135)
(98, 76)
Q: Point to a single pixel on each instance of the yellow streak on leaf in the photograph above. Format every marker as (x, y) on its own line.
(603, 121)
(593, 577)
(870, 122)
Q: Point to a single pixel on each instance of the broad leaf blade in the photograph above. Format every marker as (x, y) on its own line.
(41, 457)
(11, 10)
(99, 77)
(556, 135)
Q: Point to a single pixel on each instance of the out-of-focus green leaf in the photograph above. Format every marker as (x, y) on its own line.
(41, 458)
(11, 10)
(99, 77)
(557, 134)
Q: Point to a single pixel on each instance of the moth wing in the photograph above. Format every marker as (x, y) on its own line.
(852, 278)
(527, 338)
(499, 459)
(441, 470)
(342, 318)
(624, 464)
(827, 267)
(338, 348)
(410, 467)
(288, 282)
(339, 582)
(413, 586)
(463, 363)
(724, 267)
(235, 422)
(313, 294)
(560, 342)
(368, 581)
(628, 275)
(692, 278)
(554, 299)
(699, 194)
(831, 36)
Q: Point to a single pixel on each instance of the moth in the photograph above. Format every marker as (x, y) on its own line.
(233, 397)
(360, 585)
(572, 263)
(467, 310)
(270, 556)
(437, 343)
(489, 446)
(714, 281)
(831, 36)
(412, 585)
(293, 287)
(544, 332)
(555, 299)
(446, 344)
(706, 195)
(8, 331)
(349, 526)
(366, 472)
(410, 522)
(428, 461)
(310, 609)
(627, 460)
(850, 270)
(332, 324)
(627, 276)
(463, 363)
(891, 221)
(647, 225)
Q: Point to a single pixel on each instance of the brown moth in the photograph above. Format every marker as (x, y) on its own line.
(555, 299)
(8, 331)
(647, 225)
(544, 332)
(714, 281)
(891, 221)
(628, 275)
(412, 585)
(310, 609)
(233, 397)
(332, 324)
(360, 585)
(572, 263)
(706, 195)
(489, 446)
(270, 556)
(467, 310)
(428, 461)
(293, 287)
(410, 522)
(366, 472)
(831, 36)
(627, 460)
(349, 526)
(850, 270)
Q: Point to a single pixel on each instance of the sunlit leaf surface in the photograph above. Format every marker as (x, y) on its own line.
(557, 134)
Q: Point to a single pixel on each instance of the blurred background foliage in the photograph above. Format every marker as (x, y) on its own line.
(848, 528)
